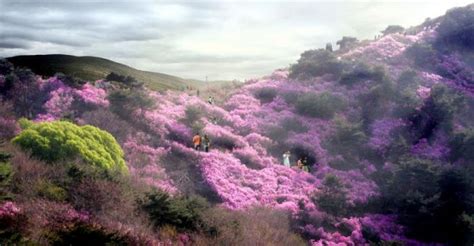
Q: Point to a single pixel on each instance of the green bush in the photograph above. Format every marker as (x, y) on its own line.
(6, 173)
(348, 138)
(437, 112)
(51, 191)
(183, 213)
(347, 42)
(125, 102)
(86, 234)
(193, 114)
(456, 28)
(266, 95)
(393, 29)
(363, 72)
(313, 63)
(462, 145)
(323, 105)
(128, 81)
(60, 140)
(423, 55)
(332, 197)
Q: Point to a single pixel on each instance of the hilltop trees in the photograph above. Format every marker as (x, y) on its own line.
(313, 63)
(457, 28)
(347, 42)
(393, 29)
(128, 80)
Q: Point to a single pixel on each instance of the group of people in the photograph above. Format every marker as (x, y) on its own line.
(301, 164)
(201, 142)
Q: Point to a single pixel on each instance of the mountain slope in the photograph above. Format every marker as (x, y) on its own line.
(94, 68)
(386, 128)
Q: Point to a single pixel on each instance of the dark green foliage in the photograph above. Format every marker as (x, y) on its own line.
(5, 67)
(412, 194)
(343, 164)
(293, 124)
(86, 234)
(21, 88)
(347, 42)
(125, 102)
(6, 174)
(462, 146)
(128, 81)
(71, 81)
(183, 213)
(430, 201)
(12, 229)
(51, 191)
(323, 105)
(363, 72)
(408, 80)
(423, 55)
(348, 140)
(193, 114)
(393, 29)
(266, 95)
(332, 197)
(374, 103)
(455, 199)
(457, 28)
(313, 63)
(437, 112)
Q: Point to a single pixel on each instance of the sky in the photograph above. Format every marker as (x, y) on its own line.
(223, 40)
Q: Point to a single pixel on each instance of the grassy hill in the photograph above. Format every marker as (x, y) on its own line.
(93, 68)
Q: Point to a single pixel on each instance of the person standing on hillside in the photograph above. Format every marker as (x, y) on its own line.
(305, 164)
(197, 141)
(210, 100)
(286, 159)
(206, 142)
(299, 164)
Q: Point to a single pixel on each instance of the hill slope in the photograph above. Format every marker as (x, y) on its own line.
(385, 127)
(94, 68)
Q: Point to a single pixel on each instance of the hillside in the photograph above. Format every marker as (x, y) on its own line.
(368, 145)
(95, 68)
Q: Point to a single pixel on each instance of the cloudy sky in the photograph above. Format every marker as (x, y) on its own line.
(194, 39)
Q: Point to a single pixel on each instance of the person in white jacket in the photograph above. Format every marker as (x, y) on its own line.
(286, 159)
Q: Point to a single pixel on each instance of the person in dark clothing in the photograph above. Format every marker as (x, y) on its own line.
(206, 142)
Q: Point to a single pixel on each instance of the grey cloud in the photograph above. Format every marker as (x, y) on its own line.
(13, 44)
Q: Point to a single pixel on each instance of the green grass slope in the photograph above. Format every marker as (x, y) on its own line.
(94, 68)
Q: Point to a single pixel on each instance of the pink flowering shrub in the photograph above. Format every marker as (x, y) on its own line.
(93, 95)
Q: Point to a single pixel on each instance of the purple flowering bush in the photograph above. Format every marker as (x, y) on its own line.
(384, 130)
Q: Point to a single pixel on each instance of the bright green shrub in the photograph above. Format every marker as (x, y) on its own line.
(59, 140)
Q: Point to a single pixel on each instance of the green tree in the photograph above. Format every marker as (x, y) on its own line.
(182, 213)
(393, 29)
(323, 105)
(333, 197)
